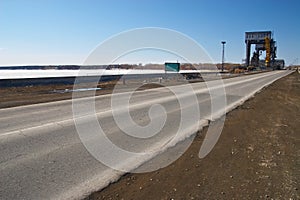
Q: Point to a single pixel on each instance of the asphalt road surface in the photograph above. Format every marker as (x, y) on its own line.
(42, 155)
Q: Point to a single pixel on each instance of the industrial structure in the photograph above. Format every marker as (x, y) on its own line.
(263, 41)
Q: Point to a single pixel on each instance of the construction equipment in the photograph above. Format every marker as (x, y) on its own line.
(263, 41)
(268, 51)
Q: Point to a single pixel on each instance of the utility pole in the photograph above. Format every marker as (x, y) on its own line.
(223, 45)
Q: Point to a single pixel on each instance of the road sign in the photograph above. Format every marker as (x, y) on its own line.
(174, 67)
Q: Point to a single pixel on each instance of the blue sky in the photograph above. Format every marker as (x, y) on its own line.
(66, 31)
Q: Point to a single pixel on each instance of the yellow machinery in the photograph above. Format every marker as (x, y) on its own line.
(268, 51)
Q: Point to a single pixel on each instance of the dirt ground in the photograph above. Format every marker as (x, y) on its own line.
(256, 157)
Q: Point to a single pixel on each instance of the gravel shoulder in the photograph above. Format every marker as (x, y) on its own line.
(256, 157)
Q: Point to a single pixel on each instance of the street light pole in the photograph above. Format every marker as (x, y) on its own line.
(223, 44)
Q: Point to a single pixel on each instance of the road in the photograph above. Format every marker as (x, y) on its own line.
(42, 156)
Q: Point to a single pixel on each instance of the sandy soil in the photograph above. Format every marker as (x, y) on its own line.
(256, 157)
